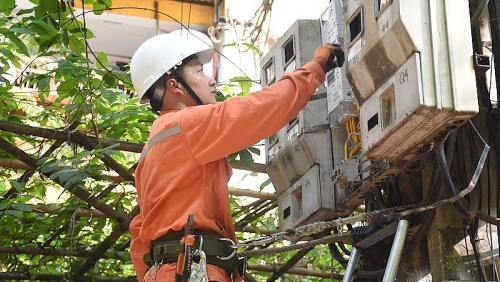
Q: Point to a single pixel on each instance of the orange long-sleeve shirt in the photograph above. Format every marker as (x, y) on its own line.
(187, 173)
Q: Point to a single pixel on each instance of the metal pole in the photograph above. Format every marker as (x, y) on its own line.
(352, 265)
(396, 251)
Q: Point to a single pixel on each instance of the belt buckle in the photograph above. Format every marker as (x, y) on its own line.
(232, 246)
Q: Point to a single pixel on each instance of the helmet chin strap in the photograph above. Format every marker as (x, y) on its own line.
(157, 98)
(179, 79)
(156, 95)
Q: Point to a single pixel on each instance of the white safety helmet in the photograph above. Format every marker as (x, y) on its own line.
(160, 53)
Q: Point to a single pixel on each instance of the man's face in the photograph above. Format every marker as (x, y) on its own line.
(202, 85)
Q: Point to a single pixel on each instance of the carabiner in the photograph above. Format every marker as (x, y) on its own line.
(232, 246)
(200, 246)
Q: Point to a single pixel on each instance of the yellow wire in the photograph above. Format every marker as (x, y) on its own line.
(353, 127)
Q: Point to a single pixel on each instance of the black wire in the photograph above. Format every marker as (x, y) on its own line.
(479, 261)
(360, 273)
(448, 183)
(495, 40)
(334, 251)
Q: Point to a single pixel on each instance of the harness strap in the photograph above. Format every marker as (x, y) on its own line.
(167, 248)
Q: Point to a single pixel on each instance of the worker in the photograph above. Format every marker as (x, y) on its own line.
(182, 174)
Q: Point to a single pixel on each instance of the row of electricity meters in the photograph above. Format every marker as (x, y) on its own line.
(408, 76)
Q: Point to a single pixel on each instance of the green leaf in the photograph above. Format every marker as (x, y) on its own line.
(264, 184)
(109, 81)
(49, 167)
(244, 83)
(67, 85)
(78, 177)
(15, 213)
(64, 174)
(76, 44)
(4, 204)
(13, 58)
(82, 32)
(230, 44)
(254, 150)
(24, 12)
(43, 28)
(18, 186)
(245, 157)
(46, 43)
(23, 207)
(41, 161)
(252, 47)
(64, 67)
(99, 8)
(14, 39)
(50, 5)
(23, 30)
(106, 2)
(43, 83)
(6, 6)
(102, 60)
(65, 39)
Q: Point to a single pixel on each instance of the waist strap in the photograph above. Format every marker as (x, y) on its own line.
(167, 248)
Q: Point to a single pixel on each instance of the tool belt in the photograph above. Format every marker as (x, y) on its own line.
(166, 249)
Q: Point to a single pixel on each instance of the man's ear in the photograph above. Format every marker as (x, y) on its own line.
(173, 85)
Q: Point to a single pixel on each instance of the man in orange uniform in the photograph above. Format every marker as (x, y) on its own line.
(183, 170)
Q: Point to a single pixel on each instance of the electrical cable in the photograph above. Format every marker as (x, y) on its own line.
(448, 183)
(479, 12)
(378, 198)
(334, 251)
(361, 273)
(495, 39)
(344, 249)
(477, 255)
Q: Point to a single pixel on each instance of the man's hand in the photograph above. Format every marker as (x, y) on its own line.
(329, 56)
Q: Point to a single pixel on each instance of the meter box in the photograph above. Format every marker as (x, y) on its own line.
(308, 200)
(332, 24)
(381, 35)
(344, 175)
(312, 117)
(293, 49)
(408, 110)
(341, 101)
(298, 155)
(340, 98)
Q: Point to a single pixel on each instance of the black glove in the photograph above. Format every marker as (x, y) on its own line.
(336, 58)
(329, 56)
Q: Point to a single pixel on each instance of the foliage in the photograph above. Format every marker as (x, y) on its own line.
(51, 79)
(60, 82)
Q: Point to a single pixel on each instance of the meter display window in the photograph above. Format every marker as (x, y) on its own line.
(388, 107)
(269, 72)
(381, 5)
(355, 25)
(297, 202)
(273, 139)
(289, 55)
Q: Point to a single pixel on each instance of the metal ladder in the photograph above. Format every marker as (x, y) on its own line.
(394, 257)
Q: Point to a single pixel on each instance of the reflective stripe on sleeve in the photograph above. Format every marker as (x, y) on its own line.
(159, 137)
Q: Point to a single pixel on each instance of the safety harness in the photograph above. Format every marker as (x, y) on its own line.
(189, 246)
